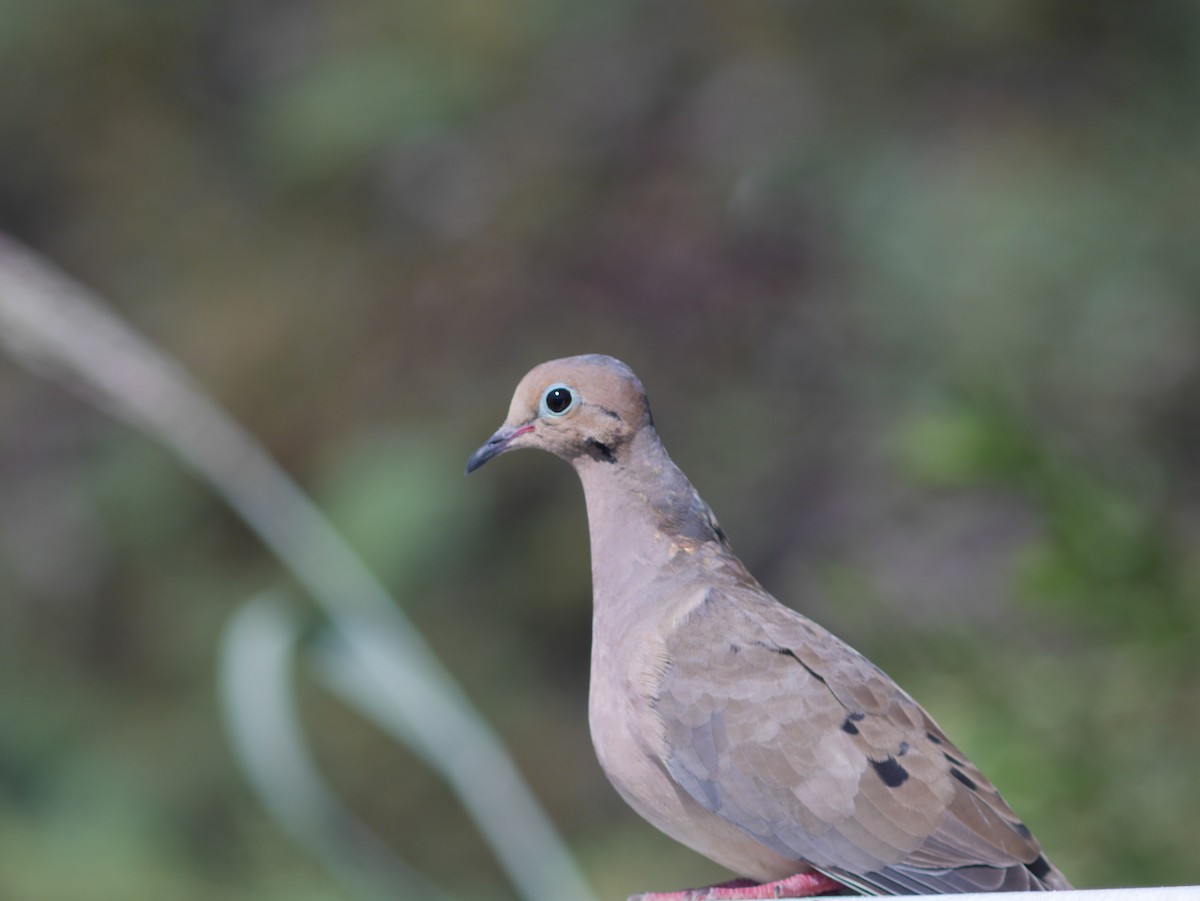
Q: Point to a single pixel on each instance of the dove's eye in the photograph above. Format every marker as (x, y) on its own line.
(557, 400)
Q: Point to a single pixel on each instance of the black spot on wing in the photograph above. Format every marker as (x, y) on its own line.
(952, 759)
(933, 738)
(848, 723)
(890, 771)
(1023, 830)
(963, 778)
(1040, 867)
(788, 652)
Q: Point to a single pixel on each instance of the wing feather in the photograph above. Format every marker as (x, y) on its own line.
(788, 733)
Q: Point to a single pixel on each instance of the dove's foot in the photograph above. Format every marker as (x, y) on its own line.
(802, 885)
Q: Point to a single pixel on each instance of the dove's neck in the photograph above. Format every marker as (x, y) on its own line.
(644, 518)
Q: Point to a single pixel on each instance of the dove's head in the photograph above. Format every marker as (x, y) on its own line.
(578, 406)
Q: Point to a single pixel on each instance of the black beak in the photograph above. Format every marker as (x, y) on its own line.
(495, 446)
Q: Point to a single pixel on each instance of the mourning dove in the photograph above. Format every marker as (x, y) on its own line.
(732, 723)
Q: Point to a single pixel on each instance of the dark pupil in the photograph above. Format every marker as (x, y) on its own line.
(558, 400)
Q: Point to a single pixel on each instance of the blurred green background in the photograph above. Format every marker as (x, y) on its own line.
(913, 289)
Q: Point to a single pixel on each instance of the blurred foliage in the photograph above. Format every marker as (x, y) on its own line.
(912, 288)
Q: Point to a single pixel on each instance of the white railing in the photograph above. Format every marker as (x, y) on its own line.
(1160, 893)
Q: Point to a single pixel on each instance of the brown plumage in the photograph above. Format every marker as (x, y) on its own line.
(731, 722)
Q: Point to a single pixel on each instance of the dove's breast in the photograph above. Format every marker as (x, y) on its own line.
(628, 666)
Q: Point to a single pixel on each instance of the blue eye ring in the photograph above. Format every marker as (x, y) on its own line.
(557, 400)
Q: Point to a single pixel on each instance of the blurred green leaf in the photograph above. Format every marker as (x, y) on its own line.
(401, 500)
(344, 111)
(959, 447)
